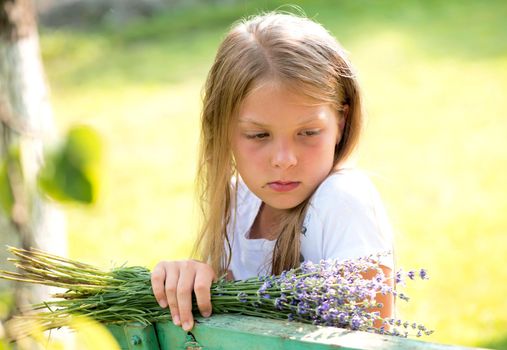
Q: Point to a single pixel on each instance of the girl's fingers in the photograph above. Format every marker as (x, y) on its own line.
(184, 294)
(170, 290)
(203, 280)
(158, 284)
(173, 284)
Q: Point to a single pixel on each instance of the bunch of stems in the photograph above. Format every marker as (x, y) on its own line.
(120, 295)
(330, 293)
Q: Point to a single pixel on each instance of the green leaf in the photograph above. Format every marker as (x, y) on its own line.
(72, 172)
(84, 147)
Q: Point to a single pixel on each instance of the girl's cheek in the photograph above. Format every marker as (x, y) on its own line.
(315, 143)
(317, 149)
(251, 150)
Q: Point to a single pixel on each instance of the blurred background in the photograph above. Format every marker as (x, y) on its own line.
(434, 76)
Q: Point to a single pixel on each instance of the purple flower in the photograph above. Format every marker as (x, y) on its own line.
(323, 308)
(384, 289)
(302, 309)
(403, 297)
(330, 293)
(399, 277)
(262, 291)
(266, 285)
(355, 322)
(242, 297)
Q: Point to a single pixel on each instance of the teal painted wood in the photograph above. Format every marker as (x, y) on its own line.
(233, 332)
(230, 332)
(135, 336)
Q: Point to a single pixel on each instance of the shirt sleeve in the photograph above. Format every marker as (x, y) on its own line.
(353, 220)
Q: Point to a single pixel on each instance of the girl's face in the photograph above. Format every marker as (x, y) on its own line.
(283, 144)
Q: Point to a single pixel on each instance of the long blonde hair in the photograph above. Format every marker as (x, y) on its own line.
(278, 46)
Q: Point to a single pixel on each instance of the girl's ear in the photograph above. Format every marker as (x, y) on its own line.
(343, 117)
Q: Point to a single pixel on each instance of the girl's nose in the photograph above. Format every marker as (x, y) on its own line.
(283, 156)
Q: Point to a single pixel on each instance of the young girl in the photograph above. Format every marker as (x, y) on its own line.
(282, 114)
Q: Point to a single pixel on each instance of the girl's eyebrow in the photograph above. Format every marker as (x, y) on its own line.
(250, 121)
(306, 121)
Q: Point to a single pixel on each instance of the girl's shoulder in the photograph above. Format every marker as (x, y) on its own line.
(348, 185)
(346, 219)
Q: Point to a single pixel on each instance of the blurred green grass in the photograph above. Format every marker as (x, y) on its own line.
(434, 75)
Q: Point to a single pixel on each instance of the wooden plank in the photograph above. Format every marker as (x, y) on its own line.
(135, 336)
(232, 332)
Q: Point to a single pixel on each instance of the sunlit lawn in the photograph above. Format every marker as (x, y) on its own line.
(434, 76)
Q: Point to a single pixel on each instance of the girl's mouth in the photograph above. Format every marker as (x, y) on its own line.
(282, 186)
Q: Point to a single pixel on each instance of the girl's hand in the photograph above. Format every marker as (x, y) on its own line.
(173, 282)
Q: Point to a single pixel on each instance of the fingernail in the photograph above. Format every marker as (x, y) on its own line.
(206, 314)
(163, 304)
(176, 320)
(187, 326)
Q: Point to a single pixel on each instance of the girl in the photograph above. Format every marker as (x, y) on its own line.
(282, 114)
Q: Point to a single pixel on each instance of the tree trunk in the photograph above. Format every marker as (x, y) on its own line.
(26, 120)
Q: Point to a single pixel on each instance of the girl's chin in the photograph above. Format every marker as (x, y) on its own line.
(281, 205)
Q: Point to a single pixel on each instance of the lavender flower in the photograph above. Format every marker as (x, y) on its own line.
(356, 322)
(242, 297)
(331, 293)
(399, 277)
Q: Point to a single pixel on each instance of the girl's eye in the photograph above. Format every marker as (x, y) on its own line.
(257, 136)
(312, 132)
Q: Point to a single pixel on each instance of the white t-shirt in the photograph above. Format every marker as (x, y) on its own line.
(345, 219)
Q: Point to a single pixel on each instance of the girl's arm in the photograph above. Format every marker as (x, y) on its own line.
(349, 213)
(386, 311)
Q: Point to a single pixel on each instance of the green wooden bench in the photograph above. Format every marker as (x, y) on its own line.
(230, 332)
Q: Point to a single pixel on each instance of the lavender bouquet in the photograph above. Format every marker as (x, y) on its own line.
(329, 293)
